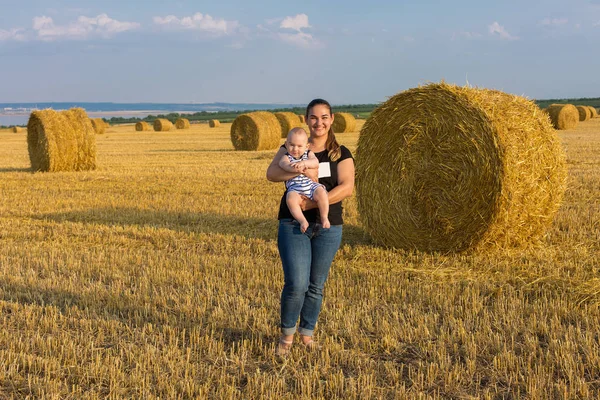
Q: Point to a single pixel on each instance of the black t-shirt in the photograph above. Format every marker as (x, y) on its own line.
(328, 171)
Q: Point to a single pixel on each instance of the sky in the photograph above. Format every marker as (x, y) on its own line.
(274, 51)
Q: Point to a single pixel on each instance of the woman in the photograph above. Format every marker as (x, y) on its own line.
(306, 257)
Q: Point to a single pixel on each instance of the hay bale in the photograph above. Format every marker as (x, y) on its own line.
(142, 126)
(343, 122)
(593, 112)
(99, 125)
(259, 130)
(287, 121)
(563, 116)
(448, 168)
(584, 113)
(17, 129)
(302, 118)
(214, 123)
(162, 125)
(61, 141)
(182, 123)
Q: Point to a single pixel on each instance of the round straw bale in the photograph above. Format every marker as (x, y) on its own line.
(142, 126)
(17, 129)
(563, 116)
(302, 118)
(287, 121)
(61, 140)
(584, 113)
(343, 122)
(162, 125)
(214, 123)
(593, 112)
(99, 125)
(182, 123)
(259, 130)
(448, 168)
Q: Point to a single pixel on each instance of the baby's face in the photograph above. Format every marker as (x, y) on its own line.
(296, 144)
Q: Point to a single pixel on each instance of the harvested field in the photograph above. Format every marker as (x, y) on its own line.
(157, 276)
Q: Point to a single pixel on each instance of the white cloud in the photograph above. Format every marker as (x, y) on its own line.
(101, 25)
(199, 22)
(300, 39)
(297, 22)
(498, 30)
(13, 34)
(554, 21)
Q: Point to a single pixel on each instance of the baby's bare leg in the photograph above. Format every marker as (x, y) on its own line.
(293, 200)
(322, 198)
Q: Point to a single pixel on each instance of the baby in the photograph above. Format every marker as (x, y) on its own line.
(298, 159)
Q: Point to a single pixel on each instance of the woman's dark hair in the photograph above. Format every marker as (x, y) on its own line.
(331, 145)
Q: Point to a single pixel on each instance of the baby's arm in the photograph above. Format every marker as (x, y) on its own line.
(312, 162)
(286, 165)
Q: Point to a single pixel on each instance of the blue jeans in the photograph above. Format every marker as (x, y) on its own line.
(306, 259)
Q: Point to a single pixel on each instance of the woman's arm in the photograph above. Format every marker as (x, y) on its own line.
(274, 171)
(344, 189)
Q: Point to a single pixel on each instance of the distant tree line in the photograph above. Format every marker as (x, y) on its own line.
(360, 110)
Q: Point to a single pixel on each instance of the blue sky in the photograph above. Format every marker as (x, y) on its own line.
(290, 52)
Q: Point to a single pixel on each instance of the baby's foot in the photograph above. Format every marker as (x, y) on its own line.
(326, 224)
(303, 226)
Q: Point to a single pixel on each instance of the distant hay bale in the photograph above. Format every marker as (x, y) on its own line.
(99, 125)
(17, 129)
(302, 118)
(259, 130)
(287, 121)
(214, 123)
(61, 141)
(162, 125)
(448, 168)
(343, 122)
(584, 113)
(142, 126)
(563, 116)
(593, 112)
(182, 123)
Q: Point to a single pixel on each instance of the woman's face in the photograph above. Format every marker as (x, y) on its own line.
(319, 120)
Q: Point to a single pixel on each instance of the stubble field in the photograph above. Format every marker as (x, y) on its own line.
(157, 276)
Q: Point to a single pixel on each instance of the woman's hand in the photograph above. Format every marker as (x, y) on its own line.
(307, 204)
(312, 174)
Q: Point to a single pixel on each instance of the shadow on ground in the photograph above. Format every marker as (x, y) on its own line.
(9, 169)
(188, 222)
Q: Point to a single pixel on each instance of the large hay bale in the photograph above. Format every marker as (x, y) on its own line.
(99, 125)
(593, 112)
(302, 118)
(17, 129)
(182, 123)
(259, 130)
(448, 168)
(142, 126)
(214, 123)
(343, 122)
(584, 113)
(563, 116)
(61, 141)
(162, 125)
(287, 121)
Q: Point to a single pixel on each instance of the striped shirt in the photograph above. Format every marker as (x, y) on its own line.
(301, 183)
